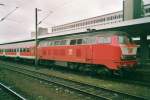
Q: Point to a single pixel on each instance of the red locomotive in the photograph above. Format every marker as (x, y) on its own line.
(94, 51)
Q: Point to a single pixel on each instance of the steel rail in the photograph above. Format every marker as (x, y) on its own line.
(50, 79)
(125, 80)
(18, 96)
(116, 79)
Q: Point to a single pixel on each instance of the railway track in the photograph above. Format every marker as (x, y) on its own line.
(132, 81)
(83, 88)
(11, 92)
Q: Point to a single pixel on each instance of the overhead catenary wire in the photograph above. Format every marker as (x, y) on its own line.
(2, 19)
(45, 17)
(58, 8)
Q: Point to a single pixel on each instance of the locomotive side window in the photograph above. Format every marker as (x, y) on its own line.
(88, 40)
(44, 43)
(91, 40)
(100, 40)
(73, 42)
(63, 42)
(50, 43)
(104, 40)
(57, 42)
(79, 41)
(107, 40)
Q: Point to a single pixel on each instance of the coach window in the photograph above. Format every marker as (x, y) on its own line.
(17, 50)
(24, 49)
(20, 49)
(28, 50)
(49, 43)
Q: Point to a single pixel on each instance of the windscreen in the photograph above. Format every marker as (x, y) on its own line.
(124, 39)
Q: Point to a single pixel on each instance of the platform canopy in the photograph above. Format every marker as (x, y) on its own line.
(135, 27)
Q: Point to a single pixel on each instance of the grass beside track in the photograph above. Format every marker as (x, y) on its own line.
(38, 90)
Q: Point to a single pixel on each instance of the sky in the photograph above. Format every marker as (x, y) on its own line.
(20, 24)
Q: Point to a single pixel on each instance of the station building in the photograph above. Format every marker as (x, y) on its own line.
(106, 19)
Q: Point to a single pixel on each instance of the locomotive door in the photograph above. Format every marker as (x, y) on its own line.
(89, 55)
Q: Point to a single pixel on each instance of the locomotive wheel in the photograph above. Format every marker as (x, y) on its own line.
(104, 71)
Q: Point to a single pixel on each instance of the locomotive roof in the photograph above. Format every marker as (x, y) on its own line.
(77, 35)
(89, 34)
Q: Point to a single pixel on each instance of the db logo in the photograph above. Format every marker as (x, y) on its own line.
(70, 52)
(130, 50)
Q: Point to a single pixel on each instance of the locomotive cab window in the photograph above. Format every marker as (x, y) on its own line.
(124, 39)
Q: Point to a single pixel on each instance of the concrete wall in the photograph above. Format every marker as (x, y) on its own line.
(133, 9)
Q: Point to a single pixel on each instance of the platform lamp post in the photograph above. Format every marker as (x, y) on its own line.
(123, 9)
